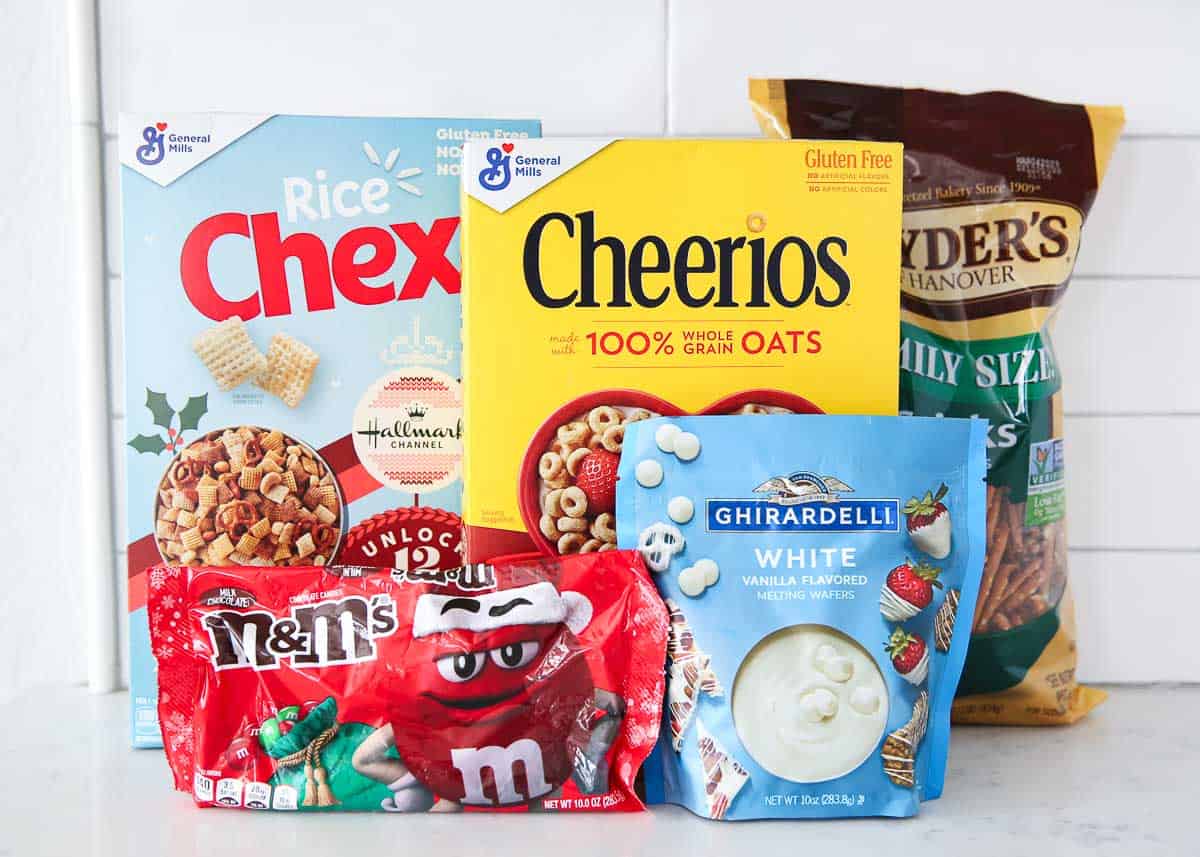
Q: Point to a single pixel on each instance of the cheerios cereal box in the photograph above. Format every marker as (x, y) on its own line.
(609, 281)
(291, 348)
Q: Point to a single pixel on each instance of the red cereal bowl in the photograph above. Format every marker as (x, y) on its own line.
(775, 398)
(530, 484)
(530, 487)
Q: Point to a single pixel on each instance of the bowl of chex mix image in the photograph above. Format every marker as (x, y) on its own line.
(247, 495)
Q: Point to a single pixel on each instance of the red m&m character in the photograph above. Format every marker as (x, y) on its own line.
(497, 697)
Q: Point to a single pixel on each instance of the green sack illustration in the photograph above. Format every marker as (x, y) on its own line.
(314, 757)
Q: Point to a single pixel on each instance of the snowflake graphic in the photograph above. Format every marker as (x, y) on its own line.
(636, 735)
(389, 162)
(158, 578)
(647, 619)
(168, 602)
(181, 738)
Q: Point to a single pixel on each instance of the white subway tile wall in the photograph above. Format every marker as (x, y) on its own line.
(1147, 211)
(112, 208)
(1142, 57)
(595, 68)
(38, 355)
(629, 67)
(1125, 345)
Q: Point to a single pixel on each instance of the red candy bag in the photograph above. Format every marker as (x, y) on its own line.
(523, 685)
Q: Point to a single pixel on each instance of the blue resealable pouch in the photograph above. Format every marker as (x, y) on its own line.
(813, 567)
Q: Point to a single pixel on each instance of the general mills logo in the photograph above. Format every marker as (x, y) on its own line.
(498, 174)
(153, 152)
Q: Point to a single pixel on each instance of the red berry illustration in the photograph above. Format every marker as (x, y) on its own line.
(597, 478)
(908, 590)
(910, 655)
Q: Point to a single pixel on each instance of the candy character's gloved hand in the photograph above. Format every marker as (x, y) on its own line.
(591, 763)
(373, 759)
(408, 795)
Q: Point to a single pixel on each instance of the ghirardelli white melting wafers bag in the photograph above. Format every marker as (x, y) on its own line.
(997, 187)
(291, 346)
(814, 567)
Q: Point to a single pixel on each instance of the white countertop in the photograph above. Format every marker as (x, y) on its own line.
(1122, 783)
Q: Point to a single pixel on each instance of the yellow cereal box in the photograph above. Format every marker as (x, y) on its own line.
(610, 281)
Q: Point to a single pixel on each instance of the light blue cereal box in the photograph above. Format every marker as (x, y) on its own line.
(291, 346)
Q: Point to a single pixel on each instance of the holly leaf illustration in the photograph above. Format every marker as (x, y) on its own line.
(148, 443)
(189, 417)
(162, 412)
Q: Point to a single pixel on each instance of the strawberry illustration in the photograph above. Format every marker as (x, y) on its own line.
(929, 523)
(910, 656)
(908, 590)
(597, 478)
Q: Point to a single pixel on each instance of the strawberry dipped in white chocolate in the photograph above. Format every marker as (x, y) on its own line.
(929, 523)
(907, 590)
(910, 656)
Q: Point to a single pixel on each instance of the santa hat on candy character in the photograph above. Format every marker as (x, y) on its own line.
(480, 597)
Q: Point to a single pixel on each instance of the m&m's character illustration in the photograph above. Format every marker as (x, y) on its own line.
(495, 704)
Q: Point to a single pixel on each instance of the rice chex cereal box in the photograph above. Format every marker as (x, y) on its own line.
(291, 346)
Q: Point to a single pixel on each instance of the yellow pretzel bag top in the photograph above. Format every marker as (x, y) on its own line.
(996, 190)
(607, 282)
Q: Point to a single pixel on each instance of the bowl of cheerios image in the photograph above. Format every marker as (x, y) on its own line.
(567, 491)
(568, 476)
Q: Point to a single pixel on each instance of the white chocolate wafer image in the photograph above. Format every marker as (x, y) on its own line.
(681, 509)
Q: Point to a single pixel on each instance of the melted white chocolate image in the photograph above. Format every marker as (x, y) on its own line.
(809, 704)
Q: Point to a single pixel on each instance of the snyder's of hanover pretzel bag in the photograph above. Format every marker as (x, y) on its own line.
(996, 190)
